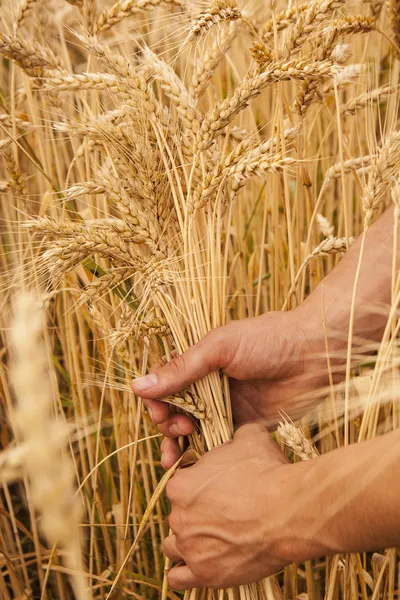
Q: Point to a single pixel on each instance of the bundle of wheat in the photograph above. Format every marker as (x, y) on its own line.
(129, 134)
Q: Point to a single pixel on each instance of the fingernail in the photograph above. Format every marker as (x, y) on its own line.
(145, 383)
(176, 430)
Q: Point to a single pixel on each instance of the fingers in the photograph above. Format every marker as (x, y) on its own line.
(158, 411)
(182, 578)
(170, 549)
(170, 452)
(170, 424)
(182, 370)
(176, 425)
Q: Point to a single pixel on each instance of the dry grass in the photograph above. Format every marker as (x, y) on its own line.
(164, 169)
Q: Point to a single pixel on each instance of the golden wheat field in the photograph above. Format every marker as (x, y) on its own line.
(167, 167)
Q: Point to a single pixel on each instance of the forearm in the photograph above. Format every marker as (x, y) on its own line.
(348, 500)
(328, 308)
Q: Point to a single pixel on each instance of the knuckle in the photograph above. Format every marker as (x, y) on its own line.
(165, 546)
(177, 364)
(174, 580)
(174, 487)
(206, 576)
(175, 520)
(223, 342)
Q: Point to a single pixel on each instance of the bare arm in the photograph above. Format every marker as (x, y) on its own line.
(332, 298)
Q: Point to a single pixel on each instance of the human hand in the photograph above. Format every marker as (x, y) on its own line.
(232, 514)
(272, 364)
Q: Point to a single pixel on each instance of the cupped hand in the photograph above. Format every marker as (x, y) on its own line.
(271, 364)
(232, 514)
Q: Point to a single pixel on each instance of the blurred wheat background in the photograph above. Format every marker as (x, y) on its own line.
(167, 166)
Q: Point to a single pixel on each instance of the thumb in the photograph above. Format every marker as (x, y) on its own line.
(199, 360)
(255, 436)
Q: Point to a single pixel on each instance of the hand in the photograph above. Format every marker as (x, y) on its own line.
(232, 514)
(272, 364)
(242, 512)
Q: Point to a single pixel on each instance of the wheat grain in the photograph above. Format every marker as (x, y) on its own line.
(326, 49)
(324, 226)
(8, 121)
(246, 159)
(358, 164)
(187, 403)
(22, 10)
(341, 54)
(108, 282)
(260, 53)
(89, 13)
(86, 81)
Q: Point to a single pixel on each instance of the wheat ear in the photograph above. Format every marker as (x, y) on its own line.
(325, 226)
(318, 11)
(367, 98)
(331, 245)
(394, 18)
(205, 66)
(29, 53)
(295, 439)
(51, 474)
(220, 11)
(251, 86)
(125, 8)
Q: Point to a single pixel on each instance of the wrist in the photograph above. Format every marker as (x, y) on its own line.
(295, 541)
(325, 324)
